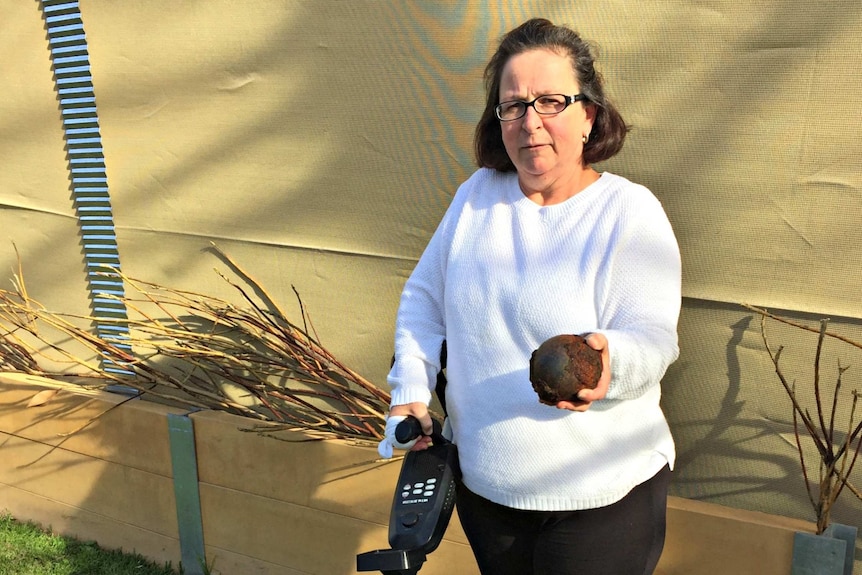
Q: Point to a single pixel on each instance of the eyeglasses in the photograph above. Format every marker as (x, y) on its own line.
(547, 105)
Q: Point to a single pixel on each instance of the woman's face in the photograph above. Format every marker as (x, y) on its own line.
(546, 150)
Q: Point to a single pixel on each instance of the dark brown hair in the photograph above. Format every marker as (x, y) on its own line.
(609, 128)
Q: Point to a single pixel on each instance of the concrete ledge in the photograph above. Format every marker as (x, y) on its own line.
(290, 507)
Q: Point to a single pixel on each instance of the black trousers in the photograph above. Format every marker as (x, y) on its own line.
(625, 538)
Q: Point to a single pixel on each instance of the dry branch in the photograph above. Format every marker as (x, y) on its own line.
(202, 352)
(837, 458)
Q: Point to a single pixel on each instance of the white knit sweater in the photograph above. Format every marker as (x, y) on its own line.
(501, 275)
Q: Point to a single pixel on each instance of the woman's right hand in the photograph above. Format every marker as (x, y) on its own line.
(586, 397)
(420, 411)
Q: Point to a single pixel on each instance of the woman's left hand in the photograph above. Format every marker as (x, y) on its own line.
(598, 342)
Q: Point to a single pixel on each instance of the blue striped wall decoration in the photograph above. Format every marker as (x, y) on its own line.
(92, 203)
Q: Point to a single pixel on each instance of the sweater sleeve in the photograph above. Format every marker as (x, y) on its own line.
(642, 297)
(420, 326)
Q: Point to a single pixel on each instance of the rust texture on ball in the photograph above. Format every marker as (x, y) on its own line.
(562, 366)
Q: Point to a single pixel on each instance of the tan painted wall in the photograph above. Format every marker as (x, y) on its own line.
(275, 506)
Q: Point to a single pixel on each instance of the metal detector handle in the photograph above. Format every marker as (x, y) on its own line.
(410, 429)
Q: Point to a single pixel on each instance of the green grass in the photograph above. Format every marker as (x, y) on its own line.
(26, 549)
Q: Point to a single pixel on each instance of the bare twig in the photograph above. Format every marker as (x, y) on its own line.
(802, 326)
(806, 418)
(827, 433)
(836, 463)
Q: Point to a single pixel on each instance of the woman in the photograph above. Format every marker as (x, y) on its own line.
(534, 244)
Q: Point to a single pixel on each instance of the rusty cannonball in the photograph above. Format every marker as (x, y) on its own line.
(562, 366)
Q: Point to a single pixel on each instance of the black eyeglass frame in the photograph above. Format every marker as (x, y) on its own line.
(569, 100)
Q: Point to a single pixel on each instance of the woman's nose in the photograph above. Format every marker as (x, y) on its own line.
(532, 119)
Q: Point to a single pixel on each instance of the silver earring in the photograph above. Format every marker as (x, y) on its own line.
(585, 139)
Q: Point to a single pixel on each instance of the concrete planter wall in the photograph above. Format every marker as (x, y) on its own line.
(285, 507)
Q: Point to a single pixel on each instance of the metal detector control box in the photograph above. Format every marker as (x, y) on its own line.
(422, 506)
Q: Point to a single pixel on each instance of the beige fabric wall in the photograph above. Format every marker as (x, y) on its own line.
(318, 142)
